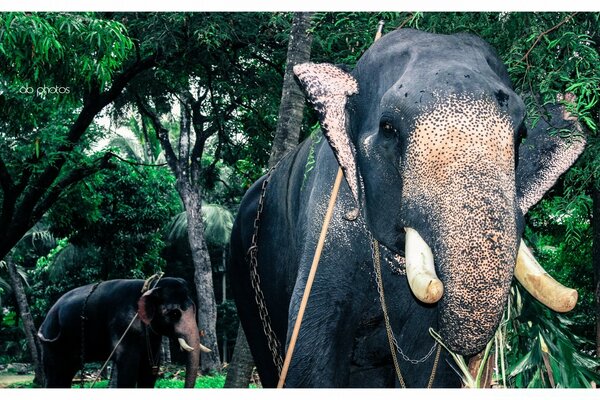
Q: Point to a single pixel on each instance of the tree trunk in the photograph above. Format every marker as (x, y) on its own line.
(291, 107)
(185, 165)
(242, 364)
(33, 344)
(596, 259)
(206, 306)
(147, 145)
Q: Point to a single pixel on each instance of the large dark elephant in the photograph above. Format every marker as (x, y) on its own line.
(165, 309)
(439, 169)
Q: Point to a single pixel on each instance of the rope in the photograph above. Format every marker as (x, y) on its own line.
(311, 277)
(315, 262)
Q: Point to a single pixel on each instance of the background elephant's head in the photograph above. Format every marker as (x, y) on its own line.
(427, 130)
(169, 311)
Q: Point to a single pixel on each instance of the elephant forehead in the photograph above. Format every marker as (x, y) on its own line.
(459, 129)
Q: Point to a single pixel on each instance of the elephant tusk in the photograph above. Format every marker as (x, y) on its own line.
(184, 346)
(541, 285)
(420, 270)
(204, 349)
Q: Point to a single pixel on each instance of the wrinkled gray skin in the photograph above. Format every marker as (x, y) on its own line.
(165, 310)
(434, 144)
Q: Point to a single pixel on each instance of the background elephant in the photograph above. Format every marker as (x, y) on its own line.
(428, 132)
(166, 309)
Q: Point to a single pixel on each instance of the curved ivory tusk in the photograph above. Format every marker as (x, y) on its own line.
(204, 349)
(184, 346)
(541, 285)
(420, 270)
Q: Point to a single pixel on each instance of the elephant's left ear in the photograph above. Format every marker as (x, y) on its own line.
(328, 89)
(147, 306)
(549, 150)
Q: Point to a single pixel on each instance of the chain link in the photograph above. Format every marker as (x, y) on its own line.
(272, 341)
(390, 333)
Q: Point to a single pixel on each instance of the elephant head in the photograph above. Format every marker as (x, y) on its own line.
(428, 132)
(169, 311)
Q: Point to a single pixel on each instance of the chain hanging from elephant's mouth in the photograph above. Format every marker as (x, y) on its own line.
(375, 253)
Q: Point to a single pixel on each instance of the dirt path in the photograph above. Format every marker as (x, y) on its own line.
(7, 380)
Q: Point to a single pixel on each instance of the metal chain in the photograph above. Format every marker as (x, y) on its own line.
(83, 319)
(272, 341)
(390, 333)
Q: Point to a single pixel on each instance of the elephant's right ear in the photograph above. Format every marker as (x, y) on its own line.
(549, 150)
(147, 306)
(328, 89)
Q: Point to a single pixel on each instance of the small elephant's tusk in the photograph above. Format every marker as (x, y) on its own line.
(184, 346)
(204, 349)
(420, 270)
(541, 285)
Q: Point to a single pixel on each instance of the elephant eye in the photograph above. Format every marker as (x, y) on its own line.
(387, 129)
(174, 315)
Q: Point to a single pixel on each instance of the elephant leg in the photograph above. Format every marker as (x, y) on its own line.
(323, 351)
(322, 355)
(125, 368)
(59, 368)
(146, 377)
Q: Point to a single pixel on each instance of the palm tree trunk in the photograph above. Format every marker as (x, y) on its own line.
(33, 344)
(291, 107)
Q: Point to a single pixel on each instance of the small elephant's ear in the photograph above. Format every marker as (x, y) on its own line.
(328, 88)
(147, 306)
(549, 150)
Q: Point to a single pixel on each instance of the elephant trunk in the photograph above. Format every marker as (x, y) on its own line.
(474, 245)
(189, 339)
(459, 194)
(476, 270)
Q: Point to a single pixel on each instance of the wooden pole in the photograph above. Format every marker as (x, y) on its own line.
(311, 278)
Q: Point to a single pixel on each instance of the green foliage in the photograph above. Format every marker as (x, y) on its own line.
(66, 49)
(121, 213)
(541, 348)
(218, 222)
(48, 61)
(534, 347)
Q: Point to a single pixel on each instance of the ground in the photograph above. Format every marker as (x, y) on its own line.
(10, 379)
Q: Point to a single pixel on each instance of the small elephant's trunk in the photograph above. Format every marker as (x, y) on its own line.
(189, 339)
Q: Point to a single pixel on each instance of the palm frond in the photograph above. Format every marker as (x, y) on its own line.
(177, 227)
(68, 257)
(218, 222)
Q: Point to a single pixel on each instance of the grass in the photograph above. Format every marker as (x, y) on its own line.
(203, 382)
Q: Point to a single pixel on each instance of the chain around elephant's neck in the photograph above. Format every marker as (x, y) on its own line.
(259, 297)
(388, 327)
